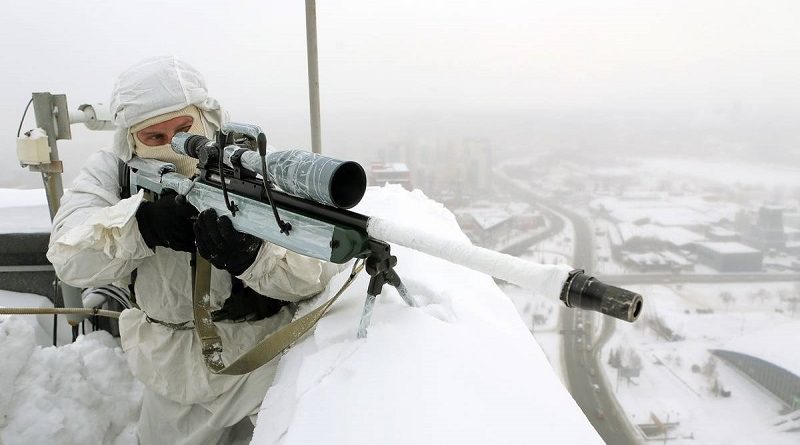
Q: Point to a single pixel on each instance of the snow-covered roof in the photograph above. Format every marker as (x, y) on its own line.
(393, 167)
(775, 344)
(518, 207)
(728, 247)
(677, 236)
(649, 258)
(719, 232)
(675, 258)
(666, 210)
(489, 217)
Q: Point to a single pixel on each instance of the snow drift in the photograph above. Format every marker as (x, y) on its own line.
(462, 368)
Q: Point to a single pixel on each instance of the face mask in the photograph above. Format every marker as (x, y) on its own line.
(185, 165)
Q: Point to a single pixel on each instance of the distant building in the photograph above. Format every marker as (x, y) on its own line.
(460, 169)
(688, 212)
(767, 233)
(485, 226)
(720, 234)
(659, 261)
(652, 248)
(780, 382)
(381, 173)
(769, 357)
(492, 224)
(729, 256)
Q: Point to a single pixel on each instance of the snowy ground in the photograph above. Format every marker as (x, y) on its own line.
(672, 391)
(541, 317)
(79, 393)
(461, 368)
(539, 313)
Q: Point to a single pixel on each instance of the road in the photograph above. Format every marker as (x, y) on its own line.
(581, 358)
(586, 386)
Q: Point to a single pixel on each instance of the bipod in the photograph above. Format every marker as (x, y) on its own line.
(380, 267)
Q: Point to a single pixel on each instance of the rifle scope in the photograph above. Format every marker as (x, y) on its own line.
(300, 173)
(585, 292)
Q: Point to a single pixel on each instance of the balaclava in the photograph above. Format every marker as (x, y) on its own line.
(155, 90)
(185, 165)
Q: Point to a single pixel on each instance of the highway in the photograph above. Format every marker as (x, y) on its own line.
(581, 357)
(585, 384)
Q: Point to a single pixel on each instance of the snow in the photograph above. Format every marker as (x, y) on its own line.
(730, 172)
(79, 393)
(670, 389)
(461, 368)
(728, 247)
(541, 317)
(776, 344)
(487, 218)
(665, 210)
(405, 231)
(24, 211)
(677, 236)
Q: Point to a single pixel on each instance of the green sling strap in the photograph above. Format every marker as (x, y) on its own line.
(266, 349)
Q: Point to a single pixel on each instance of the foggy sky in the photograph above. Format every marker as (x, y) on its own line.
(393, 70)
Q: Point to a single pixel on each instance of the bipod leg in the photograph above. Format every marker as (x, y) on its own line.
(395, 281)
(366, 316)
(380, 266)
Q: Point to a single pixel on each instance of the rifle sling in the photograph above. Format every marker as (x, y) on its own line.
(268, 348)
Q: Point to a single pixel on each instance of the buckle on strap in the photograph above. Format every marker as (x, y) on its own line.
(212, 353)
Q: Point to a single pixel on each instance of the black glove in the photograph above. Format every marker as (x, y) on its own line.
(167, 222)
(222, 245)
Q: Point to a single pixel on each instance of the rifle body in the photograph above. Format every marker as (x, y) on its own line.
(318, 231)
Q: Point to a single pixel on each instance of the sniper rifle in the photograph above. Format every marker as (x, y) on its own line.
(302, 203)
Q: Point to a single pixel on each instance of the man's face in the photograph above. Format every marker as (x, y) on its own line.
(161, 134)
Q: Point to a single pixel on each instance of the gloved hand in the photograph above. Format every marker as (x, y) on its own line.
(167, 222)
(222, 245)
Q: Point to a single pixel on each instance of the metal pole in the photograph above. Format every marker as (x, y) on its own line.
(43, 110)
(44, 106)
(313, 75)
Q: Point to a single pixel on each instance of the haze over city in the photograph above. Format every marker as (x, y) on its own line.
(708, 79)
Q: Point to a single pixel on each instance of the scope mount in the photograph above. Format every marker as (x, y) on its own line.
(245, 138)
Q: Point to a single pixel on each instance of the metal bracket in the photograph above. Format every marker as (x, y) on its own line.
(52, 167)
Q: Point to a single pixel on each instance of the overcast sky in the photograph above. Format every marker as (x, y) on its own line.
(417, 56)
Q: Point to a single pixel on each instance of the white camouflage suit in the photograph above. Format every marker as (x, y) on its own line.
(96, 241)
